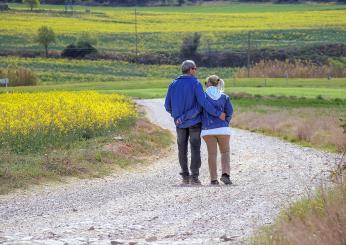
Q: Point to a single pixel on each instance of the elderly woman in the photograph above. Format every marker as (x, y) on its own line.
(214, 130)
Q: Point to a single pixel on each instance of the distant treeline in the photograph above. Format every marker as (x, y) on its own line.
(163, 2)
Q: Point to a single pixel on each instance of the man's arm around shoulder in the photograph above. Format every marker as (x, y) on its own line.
(202, 100)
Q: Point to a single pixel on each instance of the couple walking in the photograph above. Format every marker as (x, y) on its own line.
(200, 114)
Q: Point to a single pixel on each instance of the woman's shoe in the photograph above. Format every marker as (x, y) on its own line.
(225, 179)
(214, 182)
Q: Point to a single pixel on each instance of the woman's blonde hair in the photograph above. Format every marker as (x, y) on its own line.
(213, 80)
(217, 82)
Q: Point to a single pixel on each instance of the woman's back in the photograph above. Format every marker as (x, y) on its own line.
(221, 102)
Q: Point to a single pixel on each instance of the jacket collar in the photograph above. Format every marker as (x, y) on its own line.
(186, 76)
(213, 92)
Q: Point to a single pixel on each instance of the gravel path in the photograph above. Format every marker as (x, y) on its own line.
(147, 205)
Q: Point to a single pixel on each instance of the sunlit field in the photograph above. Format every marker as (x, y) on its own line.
(30, 120)
(160, 28)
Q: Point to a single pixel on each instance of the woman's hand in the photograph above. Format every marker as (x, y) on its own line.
(222, 116)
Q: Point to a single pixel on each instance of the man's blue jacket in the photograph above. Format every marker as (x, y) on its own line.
(184, 94)
(209, 121)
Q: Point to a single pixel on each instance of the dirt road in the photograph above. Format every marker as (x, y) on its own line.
(148, 205)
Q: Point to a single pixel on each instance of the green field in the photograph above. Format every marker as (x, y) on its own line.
(158, 89)
(151, 81)
(163, 28)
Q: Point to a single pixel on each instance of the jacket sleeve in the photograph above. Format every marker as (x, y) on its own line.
(192, 113)
(202, 100)
(228, 109)
(168, 105)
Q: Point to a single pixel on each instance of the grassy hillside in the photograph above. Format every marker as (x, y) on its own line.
(151, 81)
(163, 28)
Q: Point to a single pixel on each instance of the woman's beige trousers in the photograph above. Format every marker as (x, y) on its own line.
(223, 141)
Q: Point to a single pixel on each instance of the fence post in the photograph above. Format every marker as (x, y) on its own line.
(208, 50)
(136, 33)
(248, 54)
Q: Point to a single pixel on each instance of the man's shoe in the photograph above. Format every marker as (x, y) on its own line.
(195, 181)
(225, 179)
(214, 182)
(186, 180)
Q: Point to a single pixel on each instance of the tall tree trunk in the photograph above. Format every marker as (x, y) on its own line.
(46, 48)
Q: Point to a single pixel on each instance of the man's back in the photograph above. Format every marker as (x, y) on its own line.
(181, 98)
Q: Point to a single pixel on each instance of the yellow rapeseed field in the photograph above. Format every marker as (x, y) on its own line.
(123, 22)
(63, 112)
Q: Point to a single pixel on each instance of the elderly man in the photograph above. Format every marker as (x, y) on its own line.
(184, 94)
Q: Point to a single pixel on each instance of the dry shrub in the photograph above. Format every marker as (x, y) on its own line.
(19, 76)
(339, 139)
(304, 132)
(319, 127)
(120, 148)
(145, 125)
(320, 219)
(270, 122)
(287, 69)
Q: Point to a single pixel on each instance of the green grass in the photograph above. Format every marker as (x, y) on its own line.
(83, 159)
(151, 81)
(171, 41)
(55, 71)
(159, 92)
(328, 93)
(288, 102)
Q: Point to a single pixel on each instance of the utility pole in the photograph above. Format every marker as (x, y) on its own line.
(136, 33)
(248, 54)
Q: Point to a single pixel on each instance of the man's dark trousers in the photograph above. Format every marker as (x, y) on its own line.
(193, 134)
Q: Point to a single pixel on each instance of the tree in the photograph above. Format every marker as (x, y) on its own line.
(188, 49)
(45, 36)
(32, 3)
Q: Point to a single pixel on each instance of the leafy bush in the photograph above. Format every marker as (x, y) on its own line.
(79, 50)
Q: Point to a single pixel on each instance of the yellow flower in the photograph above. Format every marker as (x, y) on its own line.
(26, 113)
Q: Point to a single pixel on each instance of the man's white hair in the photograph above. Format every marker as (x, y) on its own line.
(187, 65)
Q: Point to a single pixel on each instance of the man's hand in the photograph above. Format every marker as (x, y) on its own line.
(178, 121)
(222, 116)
